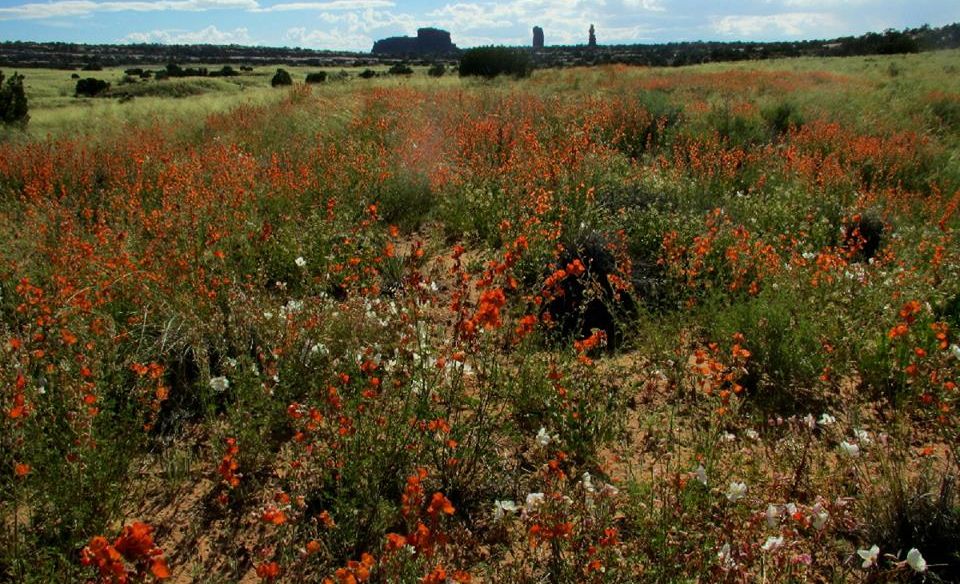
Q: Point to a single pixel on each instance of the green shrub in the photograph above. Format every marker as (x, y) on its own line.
(401, 69)
(436, 70)
(782, 117)
(490, 62)
(317, 77)
(13, 101)
(91, 87)
(280, 78)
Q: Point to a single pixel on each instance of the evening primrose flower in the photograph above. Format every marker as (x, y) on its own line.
(219, 384)
(723, 556)
(701, 474)
(533, 501)
(543, 438)
(820, 516)
(850, 449)
(300, 262)
(916, 561)
(736, 491)
(869, 556)
(772, 543)
(773, 515)
(500, 508)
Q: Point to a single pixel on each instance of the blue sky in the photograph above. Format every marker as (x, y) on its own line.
(354, 25)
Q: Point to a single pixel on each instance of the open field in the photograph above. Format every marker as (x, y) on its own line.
(598, 325)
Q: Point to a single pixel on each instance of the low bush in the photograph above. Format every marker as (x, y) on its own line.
(281, 78)
(490, 62)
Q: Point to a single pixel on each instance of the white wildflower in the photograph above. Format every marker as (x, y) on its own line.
(810, 422)
(500, 508)
(772, 543)
(869, 556)
(300, 262)
(723, 556)
(588, 483)
(701, 474)
(219, 384)
(533, 501)
(752, 434)
(863, 436)
(773, 515)
(820, 516)
(850, 449)
(916, 561)
(826, 419)
(736, 491)
(543, 438)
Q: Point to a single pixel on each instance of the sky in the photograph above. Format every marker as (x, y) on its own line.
(355, 25)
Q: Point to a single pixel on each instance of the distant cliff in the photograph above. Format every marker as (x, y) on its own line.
(429, 41)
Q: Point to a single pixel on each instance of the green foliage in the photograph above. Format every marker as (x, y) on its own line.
(782, 117)
(13, 102)
(400, 69)
(91, 87)
(281, 78)
(437, 70)
(490, 62)
(316, 77)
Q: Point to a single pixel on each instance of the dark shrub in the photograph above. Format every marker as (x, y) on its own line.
(13, 101)
(782, 117)
(863, 235)
(368, 74)
(318, 77)
(225, 71)
(401, 69)
(92, 67)
(74, 76)
(281, 77)
(492, 61)
(91, 87)
(589, 301)
(436, 70)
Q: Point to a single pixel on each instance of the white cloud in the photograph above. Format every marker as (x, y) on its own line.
(207, 36)
(790, 24)
(650, 5)
(64, 8)
(324, 6)
(328, 39)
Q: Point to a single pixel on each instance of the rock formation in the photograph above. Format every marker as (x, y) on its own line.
(429, 41)
(537, 37)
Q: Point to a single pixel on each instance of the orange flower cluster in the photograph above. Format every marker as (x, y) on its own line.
(131, 556)
(229, 465)
(355, 571)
